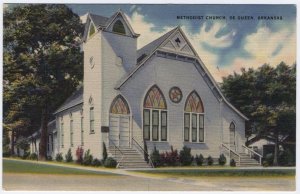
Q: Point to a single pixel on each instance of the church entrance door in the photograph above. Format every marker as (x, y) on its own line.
(119, 130)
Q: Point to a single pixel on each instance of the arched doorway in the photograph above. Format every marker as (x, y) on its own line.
(119, 123)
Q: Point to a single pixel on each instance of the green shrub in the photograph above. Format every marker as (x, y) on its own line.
(79, 155)
(199, 160)
(104, 153)
(285, 158)
(155, 157)
(88, 158)
(232, 163)
(25, 155)
(265, 164)
(33, 156)
(210, 160)
(49, 158)
(96, 162)
(68, 156)
(59, 157)
(269, 159)
(110, 163)
(171, 158)
(6, 151)
(222, 160)
(185, 156)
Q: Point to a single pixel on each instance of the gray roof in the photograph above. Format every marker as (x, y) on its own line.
(75, 99)
(99, 20)
(149, 48)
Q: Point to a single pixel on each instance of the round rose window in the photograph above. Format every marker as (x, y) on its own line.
(175, 94)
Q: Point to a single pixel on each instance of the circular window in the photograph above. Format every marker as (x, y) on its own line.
(92, 62)
(175, 94)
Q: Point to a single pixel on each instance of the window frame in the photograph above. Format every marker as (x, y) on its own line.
(81, 130)
(120, 25)
(62, 133)
(92, 120)
(159, 124)
(190, 131)
(71, 132)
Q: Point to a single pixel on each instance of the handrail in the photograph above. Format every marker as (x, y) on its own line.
(254, 152)
(151, 163)
(111, 141)
(230, 150)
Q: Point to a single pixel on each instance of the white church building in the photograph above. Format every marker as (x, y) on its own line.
(132, 100)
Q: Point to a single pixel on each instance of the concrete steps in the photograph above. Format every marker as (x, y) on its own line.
(246, 160)
(131, 158)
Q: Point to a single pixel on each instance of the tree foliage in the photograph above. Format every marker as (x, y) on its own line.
(42, 64)
(267, 96)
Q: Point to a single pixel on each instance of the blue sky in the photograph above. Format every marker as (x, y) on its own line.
(224, 45)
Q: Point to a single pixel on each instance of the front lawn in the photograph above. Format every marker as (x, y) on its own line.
(19, 166)
(227, 172)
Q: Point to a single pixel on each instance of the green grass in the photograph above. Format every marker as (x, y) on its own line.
(222, 172)
(18, 166)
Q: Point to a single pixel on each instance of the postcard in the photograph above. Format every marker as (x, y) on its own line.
(149, 97)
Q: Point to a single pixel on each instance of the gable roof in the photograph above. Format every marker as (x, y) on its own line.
(75, 99)
(102, 22)
(99, 20)
(153, 46)
(147, 49)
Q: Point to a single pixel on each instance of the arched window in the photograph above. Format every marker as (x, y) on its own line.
(232, 126)
(119, 27)
(155, 115)
(71, 130)
(194, 118)
(81, 128)
(92, 30)
(62, 131)
(232, 133)
(119, 106)
(92, 118)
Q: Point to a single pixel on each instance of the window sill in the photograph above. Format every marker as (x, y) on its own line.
(194, 142)
(157, 141)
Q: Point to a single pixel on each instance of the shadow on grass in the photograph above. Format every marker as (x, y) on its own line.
(14, 166)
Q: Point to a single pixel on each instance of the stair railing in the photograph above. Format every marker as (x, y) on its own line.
(116, 148)
(143, 150)
(232, 152)
(252, 153)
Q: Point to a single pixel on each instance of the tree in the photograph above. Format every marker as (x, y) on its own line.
(42, 64)
(267, 96)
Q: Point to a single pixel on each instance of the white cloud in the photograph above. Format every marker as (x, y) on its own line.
(261, 45)
(145, 29)
(197, 39)
(202, 37)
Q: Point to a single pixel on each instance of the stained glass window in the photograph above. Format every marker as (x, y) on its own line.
(175, 94)
(155, 99)
(92, 30)
(119, 106)
(155, 111)
(194, 103)
(194, 126)
(119, 27)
